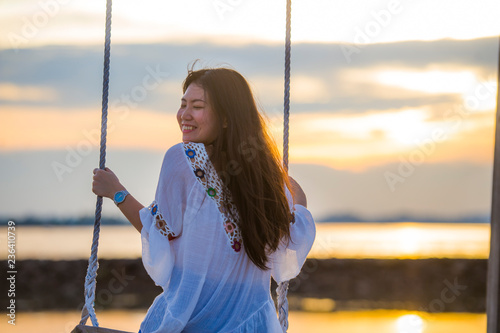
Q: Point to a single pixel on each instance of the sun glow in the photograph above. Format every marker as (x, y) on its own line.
(409, 240)
(476, 94)
(410, 323)
(399, 127)
(360, 141)
(374, 137)
(481, 96)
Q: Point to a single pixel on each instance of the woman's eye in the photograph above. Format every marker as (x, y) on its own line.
(197, 107)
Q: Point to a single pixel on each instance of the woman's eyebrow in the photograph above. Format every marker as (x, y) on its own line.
(193, 100)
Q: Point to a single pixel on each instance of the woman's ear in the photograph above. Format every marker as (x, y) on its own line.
(224, 124)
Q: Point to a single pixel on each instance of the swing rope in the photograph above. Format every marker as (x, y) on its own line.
(288, 48)
(282, 289)
(90, 278)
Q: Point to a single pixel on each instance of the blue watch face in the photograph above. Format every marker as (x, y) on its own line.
(119, 197)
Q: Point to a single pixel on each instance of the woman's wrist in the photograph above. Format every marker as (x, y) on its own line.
(117, 189)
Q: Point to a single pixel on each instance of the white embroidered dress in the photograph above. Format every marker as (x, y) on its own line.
(194, 251)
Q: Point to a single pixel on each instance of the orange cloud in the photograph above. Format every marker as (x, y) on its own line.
(360, 141)
(43, 128)
(15, 93)
(351, 142)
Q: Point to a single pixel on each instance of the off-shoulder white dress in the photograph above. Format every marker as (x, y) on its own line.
(193, 249)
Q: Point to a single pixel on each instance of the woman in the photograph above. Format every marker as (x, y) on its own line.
(223, 220)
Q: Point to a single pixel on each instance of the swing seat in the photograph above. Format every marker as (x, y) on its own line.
(93, 329)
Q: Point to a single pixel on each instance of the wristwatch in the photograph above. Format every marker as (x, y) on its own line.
(119, 196)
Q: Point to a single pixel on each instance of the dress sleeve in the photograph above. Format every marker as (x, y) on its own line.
(288, 259)
(162, 221)
(156, 251)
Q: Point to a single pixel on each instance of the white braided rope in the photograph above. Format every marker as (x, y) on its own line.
(282, 289)
(90, 284)
(281, 292)
(90, 278)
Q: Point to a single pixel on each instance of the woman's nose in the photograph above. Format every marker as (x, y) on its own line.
(186, 114)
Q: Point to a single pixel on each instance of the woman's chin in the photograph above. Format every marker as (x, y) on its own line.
(195, 139)
(187, 139)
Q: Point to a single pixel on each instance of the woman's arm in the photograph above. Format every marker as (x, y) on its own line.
(299, 197)
(106, 184)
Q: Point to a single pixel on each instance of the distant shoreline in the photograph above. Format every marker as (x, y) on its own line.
(335, 218)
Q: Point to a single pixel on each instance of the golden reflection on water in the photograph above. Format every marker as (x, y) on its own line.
(377, 321)
(401, 240)
(386, 321)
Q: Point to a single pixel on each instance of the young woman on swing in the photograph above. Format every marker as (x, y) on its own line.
(226, 217)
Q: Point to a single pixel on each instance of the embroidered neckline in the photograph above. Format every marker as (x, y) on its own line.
(207, 176)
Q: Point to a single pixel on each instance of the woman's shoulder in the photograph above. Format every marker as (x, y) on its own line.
(173, 160)
(175, 150)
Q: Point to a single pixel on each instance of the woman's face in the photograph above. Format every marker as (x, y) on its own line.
(196, 118)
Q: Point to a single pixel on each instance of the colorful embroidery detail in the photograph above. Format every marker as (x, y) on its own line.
(230, 227)
(236, 246)
(199, 173)
(211, 192)
(208, 178)
(190, 153)
(160, 223)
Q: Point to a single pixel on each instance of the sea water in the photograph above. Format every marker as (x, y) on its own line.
(378, 321)
(333, 240)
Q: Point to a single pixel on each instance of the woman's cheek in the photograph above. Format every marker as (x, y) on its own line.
(179, 114)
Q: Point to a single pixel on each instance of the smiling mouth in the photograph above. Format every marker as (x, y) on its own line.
(187, 128)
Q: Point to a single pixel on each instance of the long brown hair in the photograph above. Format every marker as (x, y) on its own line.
(247, 161)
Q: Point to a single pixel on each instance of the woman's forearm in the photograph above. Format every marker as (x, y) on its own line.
(130, 208)
(106, 184)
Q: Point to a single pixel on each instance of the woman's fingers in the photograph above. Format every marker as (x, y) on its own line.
(101, 184)
(105, 183)
(298, 194)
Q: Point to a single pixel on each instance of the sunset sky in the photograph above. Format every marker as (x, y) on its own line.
(392, 101)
